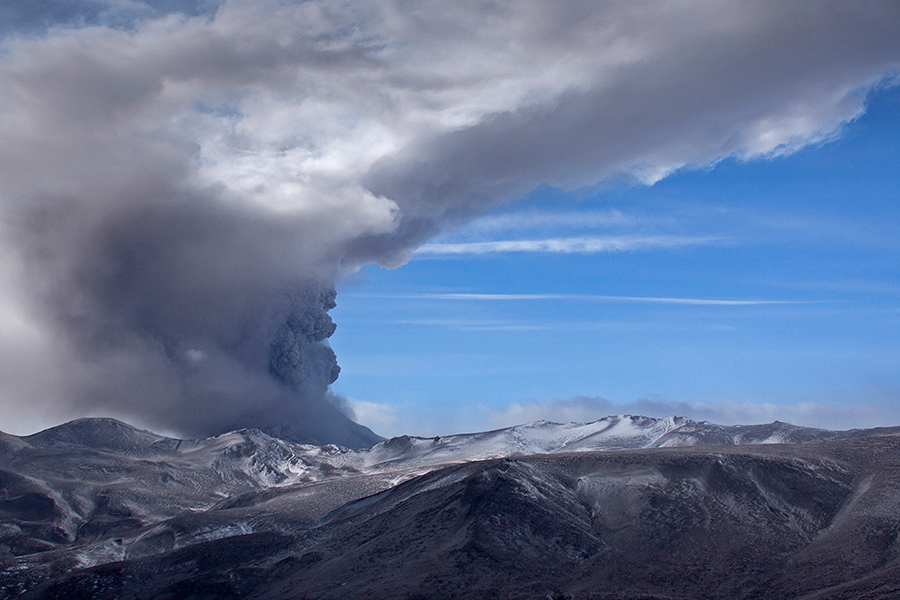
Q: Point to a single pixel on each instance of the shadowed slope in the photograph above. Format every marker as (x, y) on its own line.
(786, 521)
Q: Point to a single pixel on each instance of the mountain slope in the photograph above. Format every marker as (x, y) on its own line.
(622, 507)
(609, 433)
(751, 522)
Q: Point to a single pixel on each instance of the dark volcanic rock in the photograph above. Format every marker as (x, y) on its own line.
(777, 521)
(99, 434)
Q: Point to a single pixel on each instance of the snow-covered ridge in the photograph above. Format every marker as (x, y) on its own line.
(91, 481)
(539, 437)
(91, 465)
(618, 432)
(261, 460)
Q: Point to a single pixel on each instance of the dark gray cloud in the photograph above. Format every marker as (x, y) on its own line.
(182, 183)
(693, 85)
(189, 314)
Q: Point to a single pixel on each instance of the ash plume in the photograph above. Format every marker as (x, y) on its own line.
(183, 184)
(191, 315)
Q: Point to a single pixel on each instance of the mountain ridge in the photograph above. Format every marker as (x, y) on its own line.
(91, 504)
(115, 435)
(751, 522)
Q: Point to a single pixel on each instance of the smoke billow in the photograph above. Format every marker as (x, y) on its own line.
(183, 184)
(297, 356)
(191, 315)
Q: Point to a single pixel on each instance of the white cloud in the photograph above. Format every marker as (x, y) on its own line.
(378, 417)
(723, 412)
(576, 245)
(537, 219)
(593, 298)
(473, 325)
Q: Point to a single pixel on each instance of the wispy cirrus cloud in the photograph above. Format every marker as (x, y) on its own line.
(594, 298)
(542, 219)
(568, 245)
(477, 325)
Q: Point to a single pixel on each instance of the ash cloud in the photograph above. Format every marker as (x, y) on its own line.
(192, 316)
(183, 183)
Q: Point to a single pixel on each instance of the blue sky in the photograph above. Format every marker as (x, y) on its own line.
(810, 240)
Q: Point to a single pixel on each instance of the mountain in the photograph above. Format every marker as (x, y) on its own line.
(625, 507)
(330, 426)
(610, 433)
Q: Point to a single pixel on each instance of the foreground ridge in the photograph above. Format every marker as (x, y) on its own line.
(96, 508)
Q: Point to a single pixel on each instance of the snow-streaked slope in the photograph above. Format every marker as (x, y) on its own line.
(540, 437)
(100, 434)
(95, 478)
(258, 460)
(757, 522)
(98, 477)
(623, 432)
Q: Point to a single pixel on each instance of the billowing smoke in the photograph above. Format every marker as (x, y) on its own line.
(182, 185)
(186, 313)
